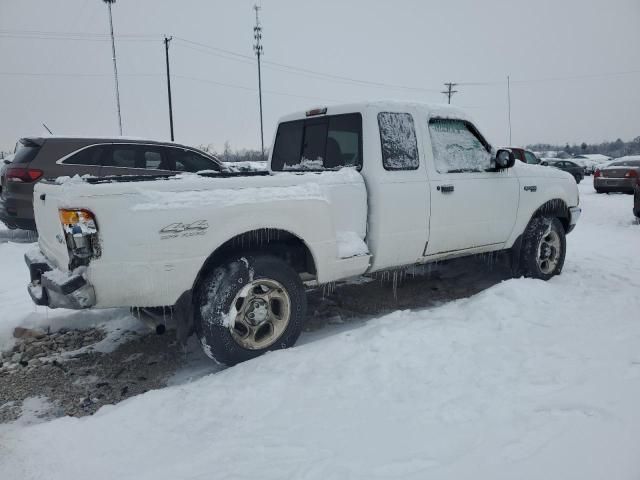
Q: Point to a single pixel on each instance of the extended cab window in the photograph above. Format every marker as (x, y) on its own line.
(314, 144)
(458, 147)
(398, 141)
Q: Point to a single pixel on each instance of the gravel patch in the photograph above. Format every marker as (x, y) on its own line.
(75, 379)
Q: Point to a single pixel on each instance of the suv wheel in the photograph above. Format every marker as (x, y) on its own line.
(248, 306)
(543, 248)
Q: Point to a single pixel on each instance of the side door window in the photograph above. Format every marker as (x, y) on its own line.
(121, 156)
(398, 141)
(316, 144)
(134, 157)
(183, 160)
(458, 147)
(531, 158)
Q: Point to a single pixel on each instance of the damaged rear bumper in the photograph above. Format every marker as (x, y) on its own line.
(54, 288)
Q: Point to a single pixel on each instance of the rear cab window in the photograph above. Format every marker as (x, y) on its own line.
(319, 143)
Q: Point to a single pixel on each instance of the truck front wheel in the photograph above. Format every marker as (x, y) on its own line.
(248, 306)
(543, 248)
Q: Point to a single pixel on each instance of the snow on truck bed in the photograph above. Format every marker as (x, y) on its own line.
(526, 380)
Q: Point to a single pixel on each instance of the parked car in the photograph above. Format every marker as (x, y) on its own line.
(525, 156)
(351, 190)
(567, 165)
(3, 166)
(50, 157)
(590, 161)
(621, 175)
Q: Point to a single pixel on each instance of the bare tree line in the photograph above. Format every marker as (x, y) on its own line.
(615, 149)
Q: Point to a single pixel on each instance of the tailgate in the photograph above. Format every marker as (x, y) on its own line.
(50, 234)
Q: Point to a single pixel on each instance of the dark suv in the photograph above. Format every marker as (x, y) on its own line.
(573, 168)
(50, 157)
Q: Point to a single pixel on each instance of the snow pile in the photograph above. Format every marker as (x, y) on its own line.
(525, 380)
(65, 179)
(350, 245)
(160, 200)
(245, 166)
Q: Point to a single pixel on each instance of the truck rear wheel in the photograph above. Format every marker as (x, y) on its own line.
(248, 306)
(543, 248)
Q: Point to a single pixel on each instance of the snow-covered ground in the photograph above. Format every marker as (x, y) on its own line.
(525, 380)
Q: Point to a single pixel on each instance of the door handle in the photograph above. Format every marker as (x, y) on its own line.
(445, 188)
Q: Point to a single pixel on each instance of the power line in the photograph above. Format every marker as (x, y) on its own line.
(231, 55)
(300, 71)
(178, 76)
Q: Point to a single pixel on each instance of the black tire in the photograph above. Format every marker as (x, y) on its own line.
(537, 233)
(214, 303)
(577, 178)
(599, 191)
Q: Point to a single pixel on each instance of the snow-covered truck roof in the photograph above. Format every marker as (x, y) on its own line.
(433, 110)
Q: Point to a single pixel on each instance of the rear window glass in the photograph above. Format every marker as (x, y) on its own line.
(26, 152)
(315, 144)
(626, 163)
(398, 141)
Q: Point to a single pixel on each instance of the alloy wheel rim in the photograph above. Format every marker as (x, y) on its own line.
(549, 251)
(261, 312)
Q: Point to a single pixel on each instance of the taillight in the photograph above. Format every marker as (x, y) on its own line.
(25, 175)
(597, 173)
(81, 233)
(631, 174)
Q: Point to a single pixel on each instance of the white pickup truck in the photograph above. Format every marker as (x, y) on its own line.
(351, 190)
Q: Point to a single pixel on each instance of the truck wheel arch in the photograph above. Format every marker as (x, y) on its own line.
(552, 208)
(556, 208)
(278, 242)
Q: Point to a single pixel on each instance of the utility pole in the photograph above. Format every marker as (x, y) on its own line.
(166, 53)
(449, 92)
(509, 105)
(115, 65)
(257, 48)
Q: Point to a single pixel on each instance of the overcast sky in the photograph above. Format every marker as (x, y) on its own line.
(574, 65)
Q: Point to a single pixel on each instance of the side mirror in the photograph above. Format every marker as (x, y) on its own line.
(505, 159)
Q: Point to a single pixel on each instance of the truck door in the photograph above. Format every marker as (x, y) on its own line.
(472, 204)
